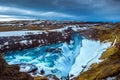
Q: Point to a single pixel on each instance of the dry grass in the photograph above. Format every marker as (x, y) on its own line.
(98, 27)
(110, 51)
(15, 28)
(110, 66)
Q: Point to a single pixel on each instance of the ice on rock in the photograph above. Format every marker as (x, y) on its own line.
(52, 62)
(68, 60)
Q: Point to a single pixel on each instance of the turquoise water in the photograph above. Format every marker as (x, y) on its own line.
(53, 59)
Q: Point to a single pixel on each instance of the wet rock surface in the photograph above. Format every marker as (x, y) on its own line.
(11, 72)
(109, 67)
(29, 68)
(54, 50)
(52, 77)
(13, 43)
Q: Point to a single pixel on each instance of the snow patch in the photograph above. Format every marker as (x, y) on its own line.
(70, 58)
(73, 27)
(90, 52)
(19, 33)
(52, 62)
(24, 42)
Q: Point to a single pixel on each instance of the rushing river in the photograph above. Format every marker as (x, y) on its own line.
(61, 59)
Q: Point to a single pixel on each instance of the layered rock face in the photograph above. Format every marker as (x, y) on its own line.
(107, 69)
(13, 43)
(11, 72)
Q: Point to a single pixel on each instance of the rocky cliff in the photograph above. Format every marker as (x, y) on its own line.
(11, 72)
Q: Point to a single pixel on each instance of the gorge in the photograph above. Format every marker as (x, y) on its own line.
(60, 59)
(71, 52)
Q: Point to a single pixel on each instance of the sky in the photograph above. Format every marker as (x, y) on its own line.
(80, 10)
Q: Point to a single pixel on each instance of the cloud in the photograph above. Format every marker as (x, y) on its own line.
(24, 12)
(88, 10)
(10, 18)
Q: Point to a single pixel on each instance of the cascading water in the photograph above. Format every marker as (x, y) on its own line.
(60, 59)
(54, 59)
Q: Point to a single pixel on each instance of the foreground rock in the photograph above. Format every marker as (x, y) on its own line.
(11, 72)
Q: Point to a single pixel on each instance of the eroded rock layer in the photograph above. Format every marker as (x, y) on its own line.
(11, 72)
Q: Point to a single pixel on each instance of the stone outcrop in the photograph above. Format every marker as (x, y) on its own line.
(11, 72)
(13, 43)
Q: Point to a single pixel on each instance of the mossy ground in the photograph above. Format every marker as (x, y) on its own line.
(16, 28)
(110, 65)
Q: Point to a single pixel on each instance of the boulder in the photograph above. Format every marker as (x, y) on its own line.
(11, 72)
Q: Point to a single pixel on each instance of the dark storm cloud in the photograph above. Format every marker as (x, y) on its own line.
(30, 4)
(90, 10)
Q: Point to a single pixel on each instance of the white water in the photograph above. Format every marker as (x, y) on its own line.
(69, 60)
(58, 63)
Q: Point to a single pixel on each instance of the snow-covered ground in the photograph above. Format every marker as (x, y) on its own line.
(19, 33)
(73, 27)
(90, 52)
(61, 59)
(76, 27)
(26, 32)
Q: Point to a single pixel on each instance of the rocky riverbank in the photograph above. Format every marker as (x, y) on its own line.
(31, 40)
(11, 72)
(109, 68)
